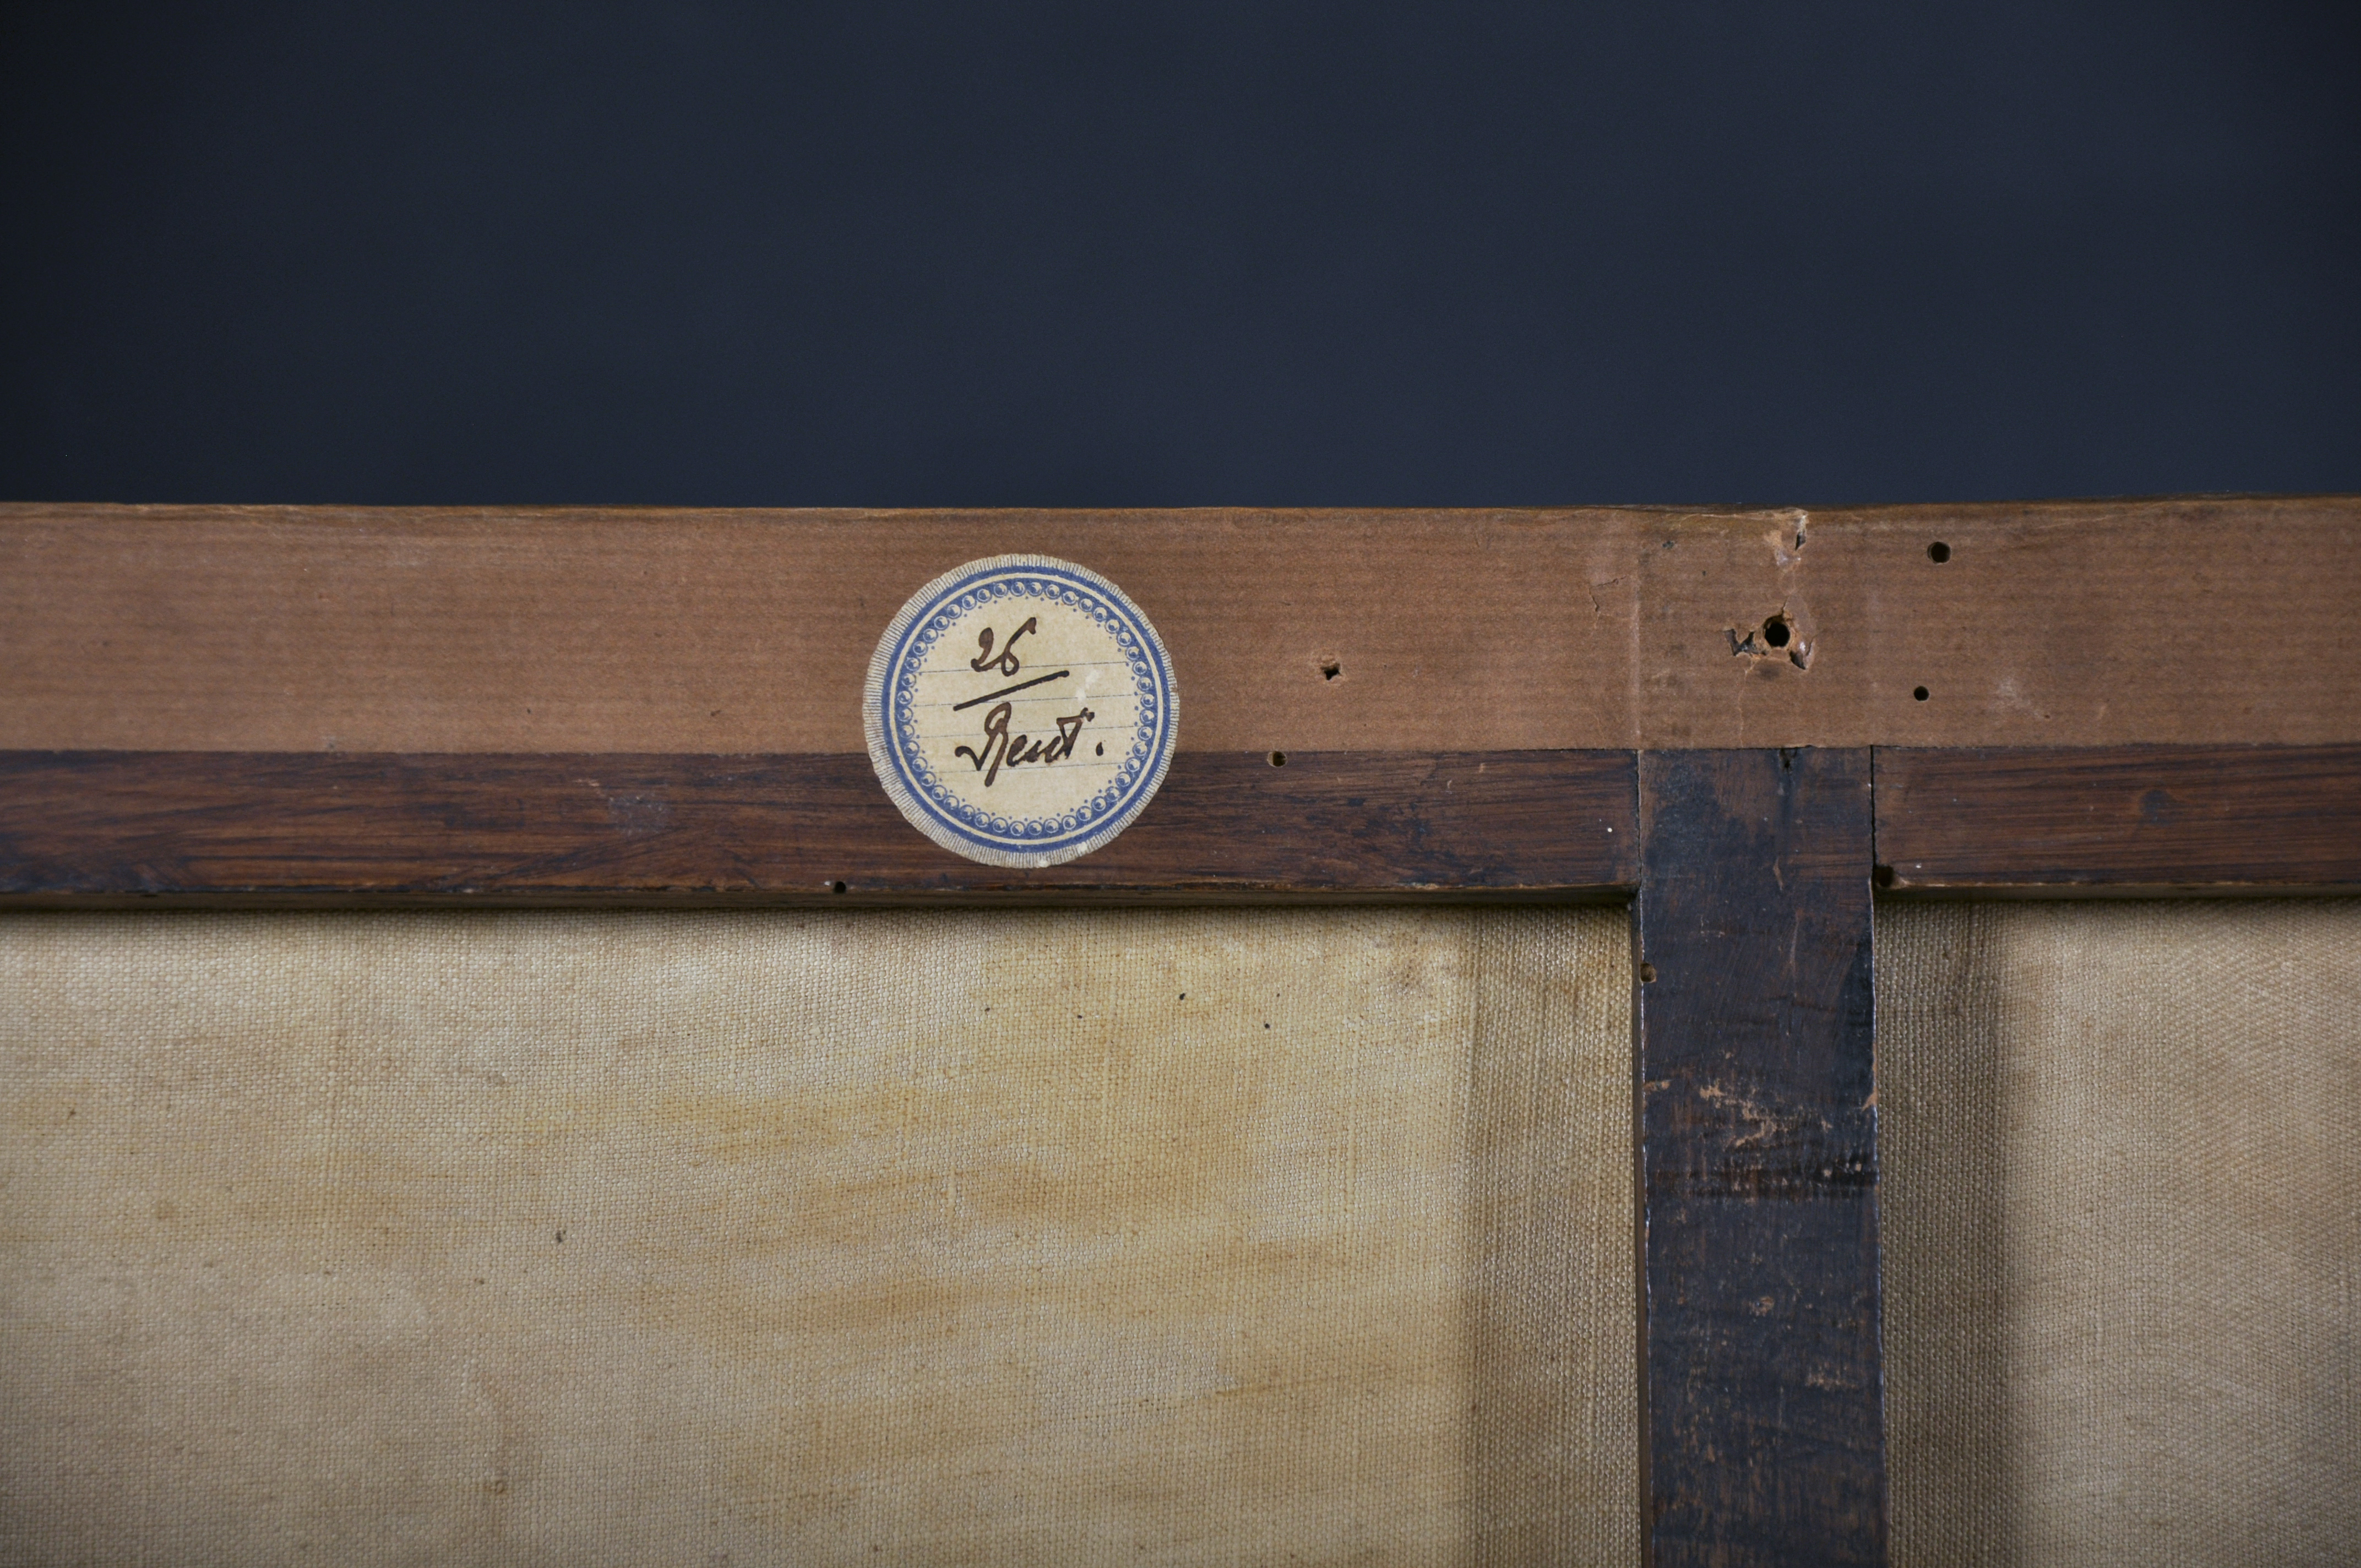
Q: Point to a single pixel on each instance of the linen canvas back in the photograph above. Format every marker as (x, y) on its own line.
(914, 1237)
(2123, 1257)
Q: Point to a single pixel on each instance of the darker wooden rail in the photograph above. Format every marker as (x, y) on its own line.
(2085, 821)
(219, 828)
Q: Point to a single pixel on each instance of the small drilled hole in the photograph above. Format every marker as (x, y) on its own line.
(1774, 631)
(836, 887)
(1939, 552)
(1278, 759)
(1647, 974)
(1882, 876)
(1919, 692)
(1330, 669)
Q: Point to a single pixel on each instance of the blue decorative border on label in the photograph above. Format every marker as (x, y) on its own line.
(891, 719)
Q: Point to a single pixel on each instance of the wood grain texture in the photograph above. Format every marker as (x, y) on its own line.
(1758, 1161)
(247, 828)
(412, 631)
(2077, 821)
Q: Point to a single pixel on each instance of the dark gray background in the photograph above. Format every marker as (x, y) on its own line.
(1112, 255)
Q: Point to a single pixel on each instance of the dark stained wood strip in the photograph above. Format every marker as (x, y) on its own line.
(1764, 1400)
(2119, 820)
(93, 827)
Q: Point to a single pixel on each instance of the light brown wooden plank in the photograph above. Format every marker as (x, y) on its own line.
(2059, 623)
(307, 628)
(747, 632)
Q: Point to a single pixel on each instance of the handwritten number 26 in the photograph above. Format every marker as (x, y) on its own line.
(1008, 663)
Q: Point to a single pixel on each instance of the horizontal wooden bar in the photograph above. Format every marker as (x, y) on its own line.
(296, 628)
(87, 828)
(328, 826)
(2124, 821)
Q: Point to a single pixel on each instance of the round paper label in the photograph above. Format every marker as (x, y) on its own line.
(1020, 710)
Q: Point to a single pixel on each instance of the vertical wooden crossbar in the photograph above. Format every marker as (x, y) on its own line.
(1763, 1437)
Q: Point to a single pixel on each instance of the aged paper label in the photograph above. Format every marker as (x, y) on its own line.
(1020, 710)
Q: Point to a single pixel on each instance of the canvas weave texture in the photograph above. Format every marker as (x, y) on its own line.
(2122, 1207)
(942, 1237)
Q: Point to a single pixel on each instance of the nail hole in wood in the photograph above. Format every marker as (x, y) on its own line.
(1647, 974)
(836, 887)
(1278, 759)
(1919, 692)
(1330, 669)
(1775, 632)
(1939, 552)
(1881, 876)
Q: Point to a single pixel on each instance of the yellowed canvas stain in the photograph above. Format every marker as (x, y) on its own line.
(948, 1237)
